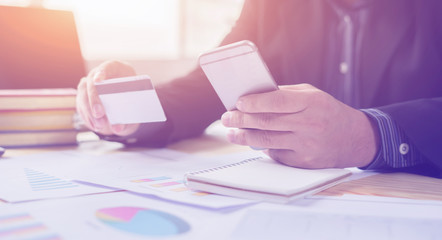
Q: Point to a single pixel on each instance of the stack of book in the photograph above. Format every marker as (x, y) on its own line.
(37, 117)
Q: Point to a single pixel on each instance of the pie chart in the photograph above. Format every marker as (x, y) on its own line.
(142, 221)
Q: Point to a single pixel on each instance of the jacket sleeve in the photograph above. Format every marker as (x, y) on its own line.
(421, 121)
(190, 102)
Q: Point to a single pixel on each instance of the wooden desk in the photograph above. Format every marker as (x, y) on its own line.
(330, 217)
(401, 185)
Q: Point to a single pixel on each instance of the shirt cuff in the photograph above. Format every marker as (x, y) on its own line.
(396, 150)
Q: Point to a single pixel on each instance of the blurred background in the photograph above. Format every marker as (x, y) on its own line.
(161, 38)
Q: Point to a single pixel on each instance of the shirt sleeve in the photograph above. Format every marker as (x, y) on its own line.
(396, 150)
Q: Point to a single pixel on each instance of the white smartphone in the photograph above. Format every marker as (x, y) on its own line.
(236, 70)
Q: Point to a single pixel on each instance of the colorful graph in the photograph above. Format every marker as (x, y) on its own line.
(180, 189)
(40, 181)
(200, 194)
(142, 221)
(166, 184)
(151, 179)
(24, 226)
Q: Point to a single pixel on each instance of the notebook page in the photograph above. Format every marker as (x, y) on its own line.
(266, 175)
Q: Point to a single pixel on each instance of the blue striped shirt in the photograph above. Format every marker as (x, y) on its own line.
(396, 150)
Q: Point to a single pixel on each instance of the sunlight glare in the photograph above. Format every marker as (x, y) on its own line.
(127, 24)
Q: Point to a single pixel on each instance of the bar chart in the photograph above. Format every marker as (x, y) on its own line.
(24, 226)
(40, 181)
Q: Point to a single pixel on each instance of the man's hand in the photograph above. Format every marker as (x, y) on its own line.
(304, 127)
(89, 105)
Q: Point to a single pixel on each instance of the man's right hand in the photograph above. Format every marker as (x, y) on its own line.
(89, 105)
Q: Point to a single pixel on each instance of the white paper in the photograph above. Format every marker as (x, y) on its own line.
(143, 173)
(20, 224)
(342, 219)
(112, 216)
(285, 225)
(129, 170)
(376, 199)
(21, 181)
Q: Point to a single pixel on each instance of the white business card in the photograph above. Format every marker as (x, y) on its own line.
(130, 100)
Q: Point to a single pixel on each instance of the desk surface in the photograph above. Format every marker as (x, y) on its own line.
(401, 185)
(265, 221)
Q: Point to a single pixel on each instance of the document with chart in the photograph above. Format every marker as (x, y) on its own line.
(21, 181)
(157, 172)
(162, 176)
(108, 216)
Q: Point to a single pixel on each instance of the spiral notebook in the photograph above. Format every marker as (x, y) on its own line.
(264, 179)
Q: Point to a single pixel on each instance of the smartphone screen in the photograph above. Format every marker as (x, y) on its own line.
(236, 70)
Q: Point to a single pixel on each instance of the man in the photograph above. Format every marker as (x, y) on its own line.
(373, 98)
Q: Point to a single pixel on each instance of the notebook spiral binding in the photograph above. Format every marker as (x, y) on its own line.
(225, 166)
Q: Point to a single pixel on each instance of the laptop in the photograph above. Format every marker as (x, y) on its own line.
(39, 48)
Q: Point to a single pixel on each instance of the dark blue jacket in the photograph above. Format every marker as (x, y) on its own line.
(399, 66)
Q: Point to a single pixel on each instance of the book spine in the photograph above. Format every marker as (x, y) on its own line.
(73, 143)
(22, 110)
(37, 131)
(42, 92)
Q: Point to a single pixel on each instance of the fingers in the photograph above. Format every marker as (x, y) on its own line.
(116, 69)
(95, 108)
(284, 156)
(82, 103)
(288, 99)
(263, 121)
(296, 122)
(293, 159)
(94, 101)
(89, 105)
(262, 139)
(86, 101)
(283, 147)
(85, 112)
(279, 101)
(302, 86)
(124, 129)
(109, 69)
(297, 159)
